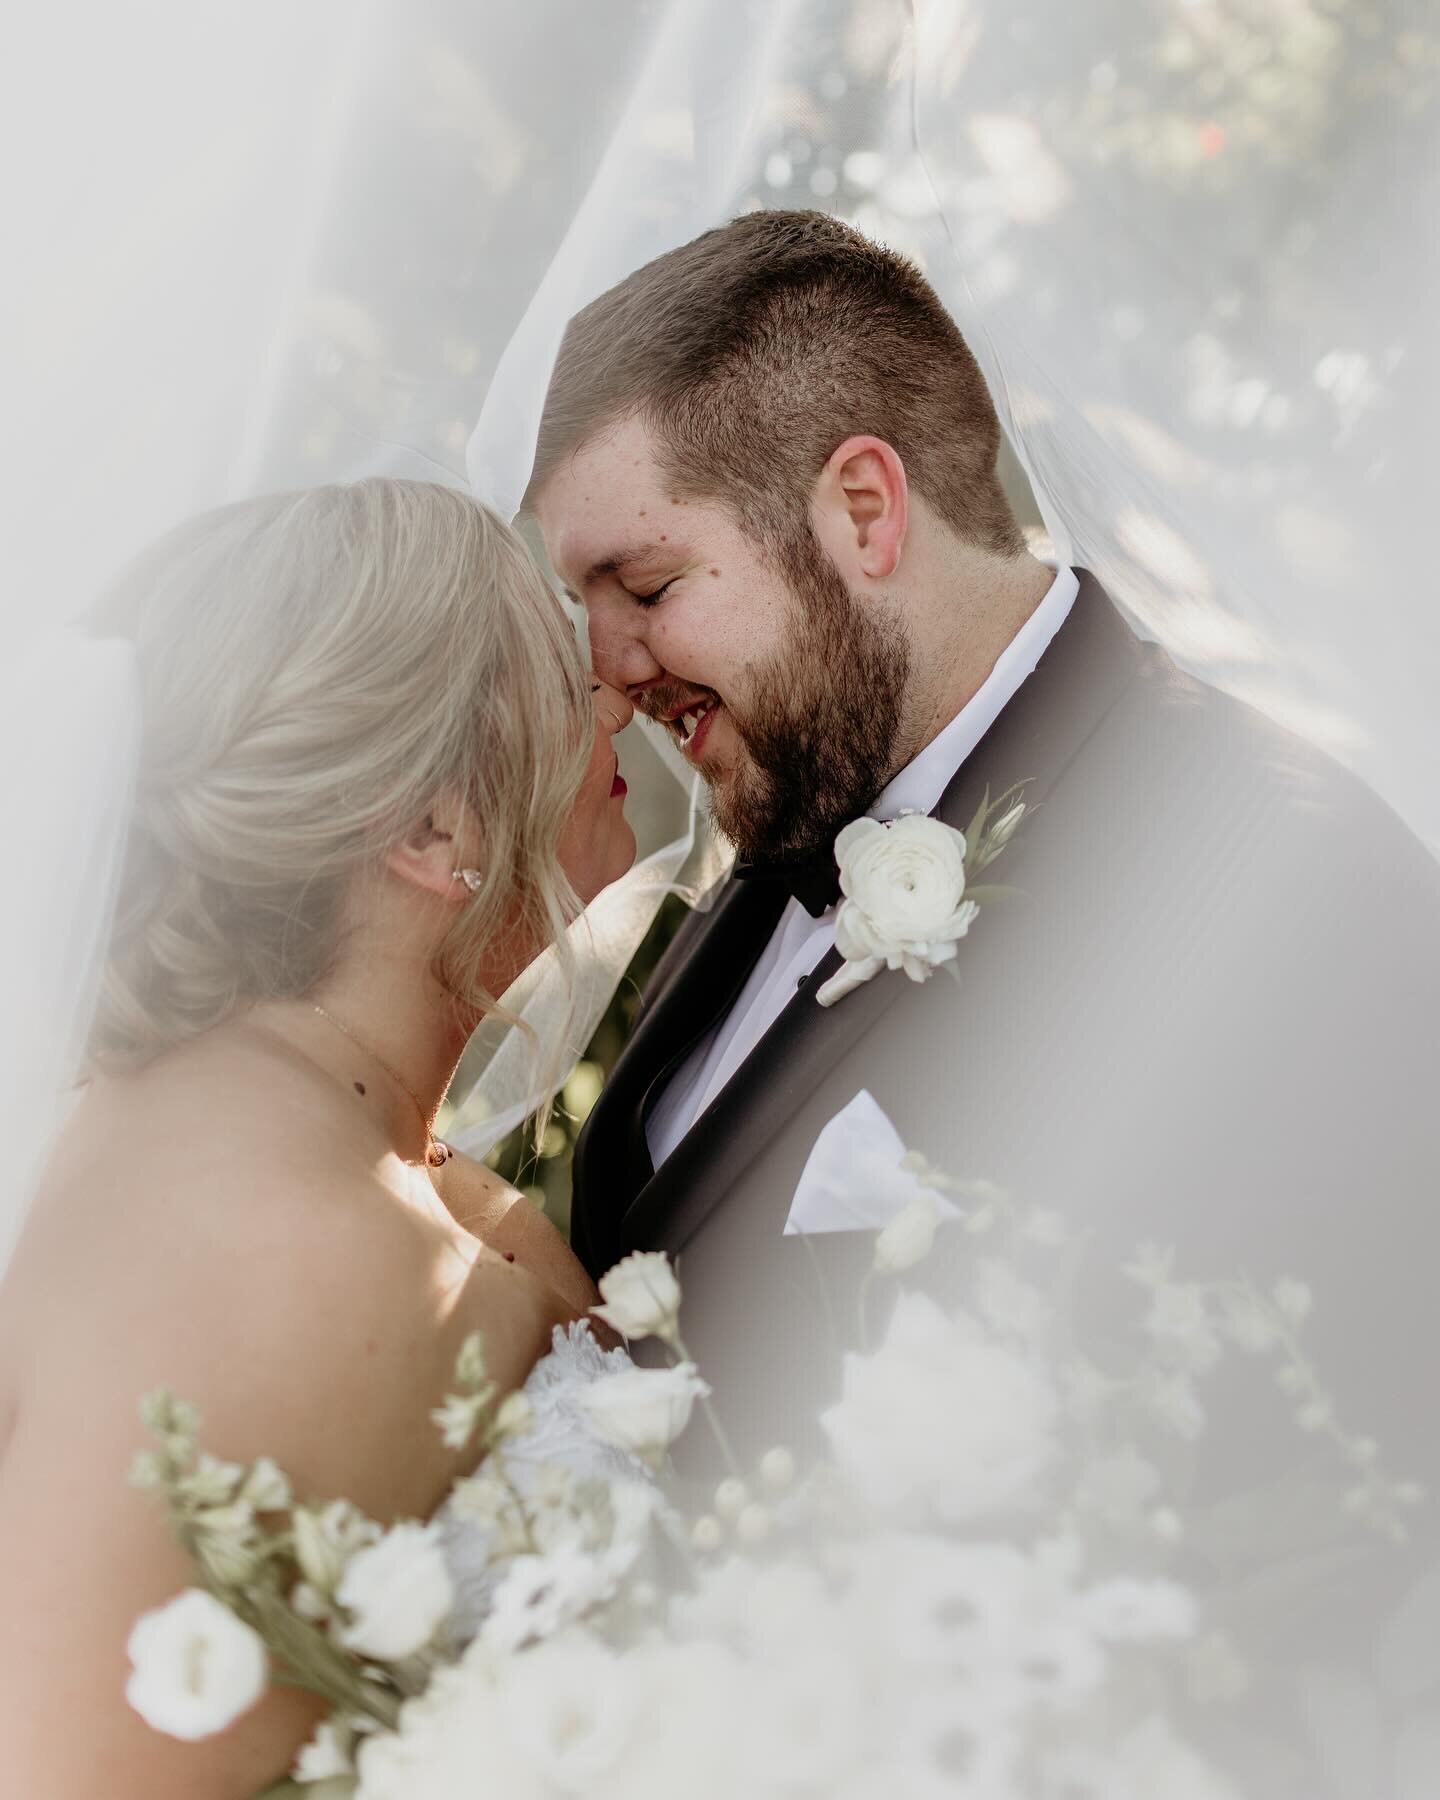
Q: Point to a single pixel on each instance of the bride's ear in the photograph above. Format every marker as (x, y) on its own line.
(428, 857)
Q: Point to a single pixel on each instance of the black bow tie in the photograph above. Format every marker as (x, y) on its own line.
(814, 880)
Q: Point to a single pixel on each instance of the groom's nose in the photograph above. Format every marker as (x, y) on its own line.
(619, 653)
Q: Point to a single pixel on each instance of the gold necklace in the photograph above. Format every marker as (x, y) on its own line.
(437, 1154)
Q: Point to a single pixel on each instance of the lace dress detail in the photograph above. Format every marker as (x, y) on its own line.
(560, 1437)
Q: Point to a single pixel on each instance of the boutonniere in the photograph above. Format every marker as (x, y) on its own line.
(907, 890)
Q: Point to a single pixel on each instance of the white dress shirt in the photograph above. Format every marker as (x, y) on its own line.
(799, 941)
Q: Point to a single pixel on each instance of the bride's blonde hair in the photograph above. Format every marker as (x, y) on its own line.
(317, 669)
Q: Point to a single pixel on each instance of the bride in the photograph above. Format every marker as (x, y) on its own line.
(375, 781)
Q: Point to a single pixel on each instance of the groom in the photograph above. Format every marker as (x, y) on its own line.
(767, 468)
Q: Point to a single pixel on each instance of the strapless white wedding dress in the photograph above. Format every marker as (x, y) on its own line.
(559, 1438)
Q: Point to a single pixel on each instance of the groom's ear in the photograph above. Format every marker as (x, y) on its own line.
(862, 507)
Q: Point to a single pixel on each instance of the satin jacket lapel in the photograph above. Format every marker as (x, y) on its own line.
(612, 1156)
(1086, 667)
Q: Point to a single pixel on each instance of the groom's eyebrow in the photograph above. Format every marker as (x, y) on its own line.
(621, 559)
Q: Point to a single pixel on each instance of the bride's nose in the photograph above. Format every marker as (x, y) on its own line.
(612, 707)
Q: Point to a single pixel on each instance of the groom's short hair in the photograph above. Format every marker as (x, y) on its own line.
(756, 349)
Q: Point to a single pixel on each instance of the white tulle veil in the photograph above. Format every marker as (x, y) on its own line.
(278, 245)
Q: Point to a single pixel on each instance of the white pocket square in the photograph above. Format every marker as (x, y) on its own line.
(852, 1179)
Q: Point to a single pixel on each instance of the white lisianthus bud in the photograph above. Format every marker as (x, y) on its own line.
(731, 1498)
(211, 1482)
(184, 1418)
(1001, 832)
(644, 1410)
(398, 1593)
(327, 1755)
(642, 1297)
(195, 1667)
(455, 1417)
(470, 1364)
(319, 1556)
(147, 1470)
(909, 1236)
(777, 1467)
(707, 1533)
(309, 1602)
(515, 1415)
(266, 1488)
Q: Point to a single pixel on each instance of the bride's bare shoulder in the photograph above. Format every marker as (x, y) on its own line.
(221, 1226)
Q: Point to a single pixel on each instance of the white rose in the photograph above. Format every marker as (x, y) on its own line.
(905, 881)
(644, 1410)
(196, 1667)
(909, 1236)
(998, 1411)
(398, 1593)
(642, 1297)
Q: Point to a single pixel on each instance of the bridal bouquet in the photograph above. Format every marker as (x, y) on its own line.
(978, 1590)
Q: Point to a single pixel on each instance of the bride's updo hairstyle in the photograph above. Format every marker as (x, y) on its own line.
(317, 669)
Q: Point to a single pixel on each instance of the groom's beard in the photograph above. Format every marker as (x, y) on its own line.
(821, 722)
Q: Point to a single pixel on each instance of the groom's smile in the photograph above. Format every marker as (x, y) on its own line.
(777, 684)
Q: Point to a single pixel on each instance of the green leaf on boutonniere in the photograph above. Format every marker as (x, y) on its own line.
(983, 894)
(977, 824)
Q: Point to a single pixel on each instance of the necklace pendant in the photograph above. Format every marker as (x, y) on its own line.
(438, 1154)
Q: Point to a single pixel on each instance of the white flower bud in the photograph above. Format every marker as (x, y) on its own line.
(641, 1297)
(644, 1410)
(455, 1417)
(211, 1482)
(266, 1488)
(777, 1467)
(319, 1556)
(707, 1533)
(731, 1498)
(309, 1603)
(147, 1470)
(909, 1236)
(328, 1754)
(470, 1364)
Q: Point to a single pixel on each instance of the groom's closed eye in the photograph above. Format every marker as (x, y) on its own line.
(655, 593)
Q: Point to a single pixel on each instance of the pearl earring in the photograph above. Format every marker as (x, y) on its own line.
(471, 877)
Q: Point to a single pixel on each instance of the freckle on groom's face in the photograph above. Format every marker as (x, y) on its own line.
(684, 605)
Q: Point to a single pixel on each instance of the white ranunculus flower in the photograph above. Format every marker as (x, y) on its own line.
(909, 1236)
(905, 880)
(642, 1296)
(996, 1416)
(196, 1667)
(569, 1708)
(904, 904)
(644, 1410)
(398, 1593)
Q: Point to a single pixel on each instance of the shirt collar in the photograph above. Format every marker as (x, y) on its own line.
(920, 784)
